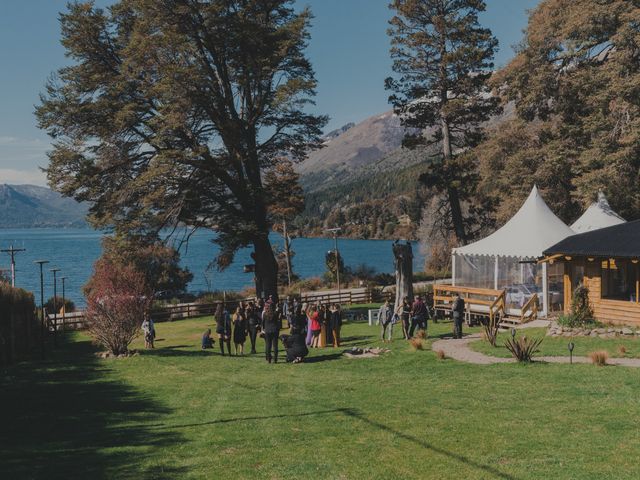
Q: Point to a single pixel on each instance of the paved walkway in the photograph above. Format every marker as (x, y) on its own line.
(459, 349)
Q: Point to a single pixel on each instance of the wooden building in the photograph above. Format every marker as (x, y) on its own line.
(606, 262)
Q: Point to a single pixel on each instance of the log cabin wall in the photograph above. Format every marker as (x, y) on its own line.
(607, 311)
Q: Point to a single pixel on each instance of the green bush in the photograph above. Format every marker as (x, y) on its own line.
(581, 314)
(69, 306)
(18, 323)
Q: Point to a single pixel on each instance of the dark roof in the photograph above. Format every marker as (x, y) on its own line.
(621, 241)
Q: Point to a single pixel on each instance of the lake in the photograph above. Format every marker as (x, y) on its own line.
(75, 250)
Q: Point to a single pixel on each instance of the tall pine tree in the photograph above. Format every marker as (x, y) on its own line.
(442, 58)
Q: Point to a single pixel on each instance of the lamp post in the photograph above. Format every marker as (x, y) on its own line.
(64, 304)
(42, 312)
(55, 306)
(334, 232)
(571, 346)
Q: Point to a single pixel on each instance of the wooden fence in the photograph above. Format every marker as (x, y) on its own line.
(76, 320)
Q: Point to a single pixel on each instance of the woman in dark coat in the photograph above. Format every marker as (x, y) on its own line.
(239, 330)
(223, 328)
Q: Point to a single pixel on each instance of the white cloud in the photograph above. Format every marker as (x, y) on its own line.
(22, 177)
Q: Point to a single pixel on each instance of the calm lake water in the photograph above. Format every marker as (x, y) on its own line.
(75, 250)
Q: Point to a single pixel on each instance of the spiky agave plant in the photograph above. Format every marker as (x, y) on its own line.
(523, 348)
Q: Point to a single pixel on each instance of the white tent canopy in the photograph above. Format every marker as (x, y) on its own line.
(598, 215)
(529, 232)
(507, 256)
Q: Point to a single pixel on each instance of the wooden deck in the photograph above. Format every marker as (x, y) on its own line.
(484, 303)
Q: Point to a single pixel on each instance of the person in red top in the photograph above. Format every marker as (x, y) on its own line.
(314, 316)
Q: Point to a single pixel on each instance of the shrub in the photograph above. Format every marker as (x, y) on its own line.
(307, 284)
(599, 357)
(441, 355)
(581, 312)
(490, 327)
(622, 350)
(118, 300)
(69, 306)
(19, 327)
(217, 296)
(523, 348)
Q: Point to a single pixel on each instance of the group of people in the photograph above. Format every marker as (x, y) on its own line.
(412, 316)
(309, 326)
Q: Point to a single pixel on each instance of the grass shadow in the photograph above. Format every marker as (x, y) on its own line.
(62, 419)
(322, 358)
(484, 468)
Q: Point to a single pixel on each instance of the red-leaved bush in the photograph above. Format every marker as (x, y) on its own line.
(118, 300)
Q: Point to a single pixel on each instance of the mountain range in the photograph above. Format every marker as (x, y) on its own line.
(362, 180)
(24, 206)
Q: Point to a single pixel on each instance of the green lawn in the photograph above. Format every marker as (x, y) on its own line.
(178, 412)
(554, 346)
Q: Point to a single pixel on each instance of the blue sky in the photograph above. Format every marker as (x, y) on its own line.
(349, 50)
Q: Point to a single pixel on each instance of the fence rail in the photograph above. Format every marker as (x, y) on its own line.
(76, 320)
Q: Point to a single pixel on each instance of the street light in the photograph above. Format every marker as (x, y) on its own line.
(55, 306)
(334, 232)
(64, 305)
(42, 332)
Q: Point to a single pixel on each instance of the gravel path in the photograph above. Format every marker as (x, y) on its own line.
(458, 349)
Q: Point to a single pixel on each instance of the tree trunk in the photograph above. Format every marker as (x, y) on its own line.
(287, 250)
(266, 267)
(456, 215)
(452, 192)
(403, 255)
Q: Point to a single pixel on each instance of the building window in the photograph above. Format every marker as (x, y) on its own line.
(618, 280)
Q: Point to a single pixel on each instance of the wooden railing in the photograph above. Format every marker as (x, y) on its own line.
(478, 301)
(530, 306)
(76, 320)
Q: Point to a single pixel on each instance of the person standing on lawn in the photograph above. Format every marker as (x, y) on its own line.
(418, 316)
(149, 331)
(336, 324)
(223, 327)
(404, 312)
(315, 326)
(385, 317)
(458, 314)
(239, 330)
(271, 329)
(253, 323)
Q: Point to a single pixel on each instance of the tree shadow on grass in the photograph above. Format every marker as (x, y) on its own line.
(322, 358)
(64, 418)
(177, 351)
(251, 418)
(487, 469)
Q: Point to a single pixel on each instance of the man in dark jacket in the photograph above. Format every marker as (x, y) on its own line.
(418, 316)
(458, 315)
(296, 347)
(271, 329)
